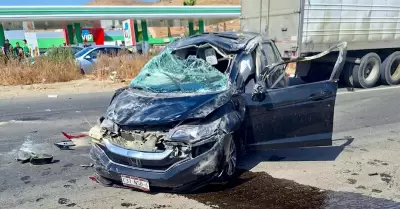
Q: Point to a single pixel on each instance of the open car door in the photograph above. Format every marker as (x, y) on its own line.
(294, 116)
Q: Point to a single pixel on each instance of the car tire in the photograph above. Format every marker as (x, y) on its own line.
(367, 73)
(388, 77)
(231, 153)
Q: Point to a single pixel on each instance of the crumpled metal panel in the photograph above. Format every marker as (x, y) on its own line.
(132, 107)
(227, 41)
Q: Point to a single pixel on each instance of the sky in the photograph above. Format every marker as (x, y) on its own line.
(44, 2)
(41, 2)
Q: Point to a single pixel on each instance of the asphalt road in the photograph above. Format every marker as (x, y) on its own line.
(37, 123)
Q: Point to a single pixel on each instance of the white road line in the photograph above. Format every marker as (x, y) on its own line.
(368, 90)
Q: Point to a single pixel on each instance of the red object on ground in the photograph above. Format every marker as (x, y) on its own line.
(73, 137)
(93, 179)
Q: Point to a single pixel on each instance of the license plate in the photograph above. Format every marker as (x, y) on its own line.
(135, 182)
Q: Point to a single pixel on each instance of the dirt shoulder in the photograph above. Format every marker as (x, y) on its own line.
(72, 87)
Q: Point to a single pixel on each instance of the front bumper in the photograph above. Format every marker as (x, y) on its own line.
(184, 175)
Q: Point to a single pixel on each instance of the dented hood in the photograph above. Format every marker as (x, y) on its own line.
(132, 107)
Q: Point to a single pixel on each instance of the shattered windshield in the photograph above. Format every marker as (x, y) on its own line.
(167, 73)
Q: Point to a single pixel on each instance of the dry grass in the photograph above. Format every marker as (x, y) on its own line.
(44, 70)
(121, 67)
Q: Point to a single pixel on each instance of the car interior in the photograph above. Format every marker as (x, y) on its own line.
(214, 58)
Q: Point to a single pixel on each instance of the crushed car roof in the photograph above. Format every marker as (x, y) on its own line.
(228, 41)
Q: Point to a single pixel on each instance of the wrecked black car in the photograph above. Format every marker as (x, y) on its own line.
(198, 105)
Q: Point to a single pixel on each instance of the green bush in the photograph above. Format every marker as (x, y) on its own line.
(59, 54)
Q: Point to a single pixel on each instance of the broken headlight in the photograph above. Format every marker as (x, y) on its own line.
(204, 145)
(202, 137)
(107, 124)
(194, 132)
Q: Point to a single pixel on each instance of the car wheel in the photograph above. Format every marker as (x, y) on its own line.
(231, 154)
(390, 69)
(367, 73)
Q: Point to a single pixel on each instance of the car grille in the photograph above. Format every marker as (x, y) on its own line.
(148, 164)
(141, 140)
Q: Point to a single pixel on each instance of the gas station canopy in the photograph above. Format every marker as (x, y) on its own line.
(71, 13)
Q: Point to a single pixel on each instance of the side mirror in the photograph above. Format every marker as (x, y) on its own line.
(87, 57)
(258, 94)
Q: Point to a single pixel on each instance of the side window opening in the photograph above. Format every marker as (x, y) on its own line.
(248, 72)
(112, 51)
(96, 53)
(278, 78)
(269, 53)
(93, 54)
(312, 66)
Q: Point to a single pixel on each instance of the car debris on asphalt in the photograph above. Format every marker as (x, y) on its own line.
(23, 156)
(52, 96)
(34, 158)
(41, 159)
(68, 136)
(87, 166)
(65, 145)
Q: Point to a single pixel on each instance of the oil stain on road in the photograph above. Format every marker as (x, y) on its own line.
(258, 190)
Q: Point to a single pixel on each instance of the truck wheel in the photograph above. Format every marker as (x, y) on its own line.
(390, 69)
(367, 73)
(348, 74)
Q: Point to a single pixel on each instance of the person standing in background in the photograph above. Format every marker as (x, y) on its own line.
(18, 52)
(7, 49)
(27, 51)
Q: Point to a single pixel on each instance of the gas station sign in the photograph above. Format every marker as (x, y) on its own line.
(129, 32)
(87, 36)
(33, 45)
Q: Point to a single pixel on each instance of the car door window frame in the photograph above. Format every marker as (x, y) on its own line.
(270, 59)
(337, 69)
(112, 51)
(276, 59)
(241, 80)
(96, 52)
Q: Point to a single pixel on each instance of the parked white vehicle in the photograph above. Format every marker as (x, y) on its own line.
(87, 57)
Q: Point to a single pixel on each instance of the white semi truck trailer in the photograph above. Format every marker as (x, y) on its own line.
(305, 27)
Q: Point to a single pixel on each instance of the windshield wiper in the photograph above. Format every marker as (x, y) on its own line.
(174, 80)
